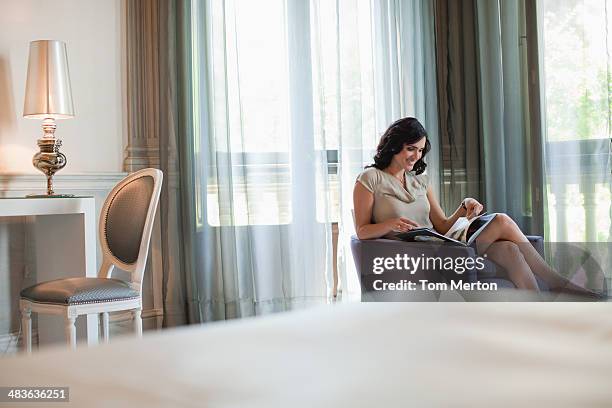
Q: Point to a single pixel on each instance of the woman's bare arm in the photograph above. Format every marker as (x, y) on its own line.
(439, 220)
(363, 202)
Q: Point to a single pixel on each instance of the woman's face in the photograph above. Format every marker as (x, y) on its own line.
(409, 155)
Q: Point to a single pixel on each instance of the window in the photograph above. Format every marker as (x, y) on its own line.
(578, 82)
(249, 163)
(244, 58)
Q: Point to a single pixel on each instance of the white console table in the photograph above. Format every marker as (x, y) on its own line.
(65, 242)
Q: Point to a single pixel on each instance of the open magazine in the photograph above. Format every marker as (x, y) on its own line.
(463, 232)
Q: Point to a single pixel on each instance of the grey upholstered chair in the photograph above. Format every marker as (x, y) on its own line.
(364, 252)
(126, 222)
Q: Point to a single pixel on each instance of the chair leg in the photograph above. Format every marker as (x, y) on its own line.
(26, 327)
(105, 328)
(71, 332)
(137, 321)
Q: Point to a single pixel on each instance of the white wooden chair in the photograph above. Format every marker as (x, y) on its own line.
(126, 222)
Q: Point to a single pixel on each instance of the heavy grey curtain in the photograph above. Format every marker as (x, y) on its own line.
(459, 102)
(159, 125)
(481, 87)
(507, 186)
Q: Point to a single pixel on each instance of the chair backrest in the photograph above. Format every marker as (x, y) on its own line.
(126, 223)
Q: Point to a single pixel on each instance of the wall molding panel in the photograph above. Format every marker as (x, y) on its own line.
(84, 182)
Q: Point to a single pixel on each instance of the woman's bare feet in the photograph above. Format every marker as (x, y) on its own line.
(572, 289)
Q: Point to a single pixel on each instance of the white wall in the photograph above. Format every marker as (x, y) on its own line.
(93, 139)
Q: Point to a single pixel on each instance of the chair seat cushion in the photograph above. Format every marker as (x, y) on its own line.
(74, 291)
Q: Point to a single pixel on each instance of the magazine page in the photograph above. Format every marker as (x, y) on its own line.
(459, 230)
(475, 228)
(458, 227)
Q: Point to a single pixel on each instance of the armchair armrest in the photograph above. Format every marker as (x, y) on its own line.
(367, 255)
(537, 242)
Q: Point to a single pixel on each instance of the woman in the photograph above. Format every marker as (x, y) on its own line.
(393, 195)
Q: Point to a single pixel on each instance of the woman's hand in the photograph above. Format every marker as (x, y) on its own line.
(473, 207)
(400, 224)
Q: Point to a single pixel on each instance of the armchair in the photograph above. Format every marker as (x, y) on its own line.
(365, 252)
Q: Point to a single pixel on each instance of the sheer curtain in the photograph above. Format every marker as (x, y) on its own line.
(287, 102)
(257, 242)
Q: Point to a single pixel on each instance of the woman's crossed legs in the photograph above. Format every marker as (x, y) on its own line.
(504, 243)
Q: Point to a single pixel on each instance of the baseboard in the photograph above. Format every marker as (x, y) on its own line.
(120, 317)
(174, 316)
(11, 343)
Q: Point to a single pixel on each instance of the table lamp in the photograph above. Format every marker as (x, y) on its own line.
(48, 96)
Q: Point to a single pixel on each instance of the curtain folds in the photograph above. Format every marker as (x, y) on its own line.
(261, 247)
(156, 32)
(283, 133)
(261, 132)
(482, 105)
(262, 129)
(503, 122)
(459, 102)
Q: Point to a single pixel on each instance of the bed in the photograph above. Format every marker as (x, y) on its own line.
(347, 355)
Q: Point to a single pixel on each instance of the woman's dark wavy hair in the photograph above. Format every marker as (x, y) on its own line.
(402, 132)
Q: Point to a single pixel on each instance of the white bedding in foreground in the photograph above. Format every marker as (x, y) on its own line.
(357, 355)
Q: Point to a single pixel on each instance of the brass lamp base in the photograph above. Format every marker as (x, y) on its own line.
(49, 160)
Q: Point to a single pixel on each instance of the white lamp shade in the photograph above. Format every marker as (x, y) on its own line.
(48, 92)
